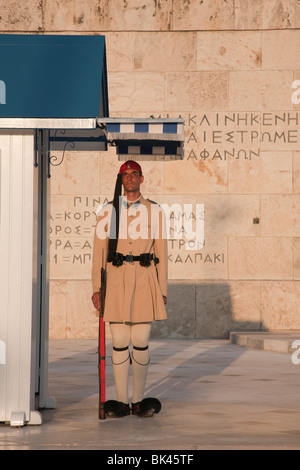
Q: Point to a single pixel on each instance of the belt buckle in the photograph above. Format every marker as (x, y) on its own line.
(129, 258)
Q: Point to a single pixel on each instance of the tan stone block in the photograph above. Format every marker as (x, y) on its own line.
(134, 15)
(109, 169)
(181, 314)
(224, 306)
(173, 51)
(254, 91)
(259, 14)
(296, 248)
(180, 215)
(271, 173)
(221, 137)
(297, 15)
(82, 321)
(280, 305)
(153, 177)
(209, 262)
(196, 91)
(260, 258)
(64, 15)
(203, 15)
(21, 16)
(74, 215)
(136, 91)
(78, 173)
(72, 225)
(296, 172)
(57, 309)
(70, 257)
(228, 50)
(119, 55)
(230, 215)
(195, 177)
(188, 258)
(280, 129)
(280, 215)
(296, 91)
(245, 301)
(280, 50)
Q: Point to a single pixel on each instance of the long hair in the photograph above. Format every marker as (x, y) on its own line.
(113, 238)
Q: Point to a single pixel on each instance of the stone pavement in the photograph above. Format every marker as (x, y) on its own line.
(215, 395)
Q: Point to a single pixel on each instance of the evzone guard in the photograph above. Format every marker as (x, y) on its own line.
(130, 241)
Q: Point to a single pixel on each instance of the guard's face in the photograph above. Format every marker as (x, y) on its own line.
(131, 180)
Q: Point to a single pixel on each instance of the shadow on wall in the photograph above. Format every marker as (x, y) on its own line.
(200, 310)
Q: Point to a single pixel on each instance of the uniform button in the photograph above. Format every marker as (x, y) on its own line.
(130, 252)
(130, 243)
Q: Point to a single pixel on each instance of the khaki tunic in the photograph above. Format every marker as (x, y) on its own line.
(133, 292)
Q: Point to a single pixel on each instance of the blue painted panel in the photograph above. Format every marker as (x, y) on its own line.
(141, 127)
(170, 128)
(53, 76)
(113, 127)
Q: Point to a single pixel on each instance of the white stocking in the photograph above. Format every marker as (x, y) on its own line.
(121, 359)
(139, 334)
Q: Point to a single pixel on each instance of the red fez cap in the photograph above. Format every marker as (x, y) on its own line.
(130, 164)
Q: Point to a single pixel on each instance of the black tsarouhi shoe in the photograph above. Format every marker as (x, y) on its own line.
(146, 408)
(116, 409)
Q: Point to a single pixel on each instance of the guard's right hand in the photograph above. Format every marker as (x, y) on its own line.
(96, 300)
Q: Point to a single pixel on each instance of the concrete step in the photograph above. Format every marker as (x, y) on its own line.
(276, 341)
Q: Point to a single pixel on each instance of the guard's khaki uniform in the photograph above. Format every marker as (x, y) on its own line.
(133, 293)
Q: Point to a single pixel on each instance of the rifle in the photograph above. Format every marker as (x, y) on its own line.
(112, 244)
(101, 347)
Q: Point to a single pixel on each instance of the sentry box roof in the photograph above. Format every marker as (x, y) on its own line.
(60, 82)
(53, 77)
(151, 138)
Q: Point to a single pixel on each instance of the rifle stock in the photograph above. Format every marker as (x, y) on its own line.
(101, 347)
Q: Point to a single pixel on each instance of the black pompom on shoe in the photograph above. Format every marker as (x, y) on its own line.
(116, 409)
(146, 408)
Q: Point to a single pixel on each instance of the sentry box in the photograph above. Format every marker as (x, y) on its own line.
(53, 92)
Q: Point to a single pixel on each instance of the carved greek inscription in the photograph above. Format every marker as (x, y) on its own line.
(71, 237)
(240, 136)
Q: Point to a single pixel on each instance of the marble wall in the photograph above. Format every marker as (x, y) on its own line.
(227, 68)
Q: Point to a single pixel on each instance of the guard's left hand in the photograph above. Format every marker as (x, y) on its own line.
(164, 299)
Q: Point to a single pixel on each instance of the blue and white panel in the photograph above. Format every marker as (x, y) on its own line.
(145, 130)
(131, 149)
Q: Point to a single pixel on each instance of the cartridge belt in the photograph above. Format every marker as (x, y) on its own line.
(144, 258)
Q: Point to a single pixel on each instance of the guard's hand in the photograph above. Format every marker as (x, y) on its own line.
(96, 300)
(164, 299)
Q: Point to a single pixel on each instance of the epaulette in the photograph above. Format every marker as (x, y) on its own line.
(152, 202)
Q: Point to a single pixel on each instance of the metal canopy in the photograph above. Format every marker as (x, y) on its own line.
(52, 76)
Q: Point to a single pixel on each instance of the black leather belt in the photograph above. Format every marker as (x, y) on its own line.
(131, 258)
(144, 258)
